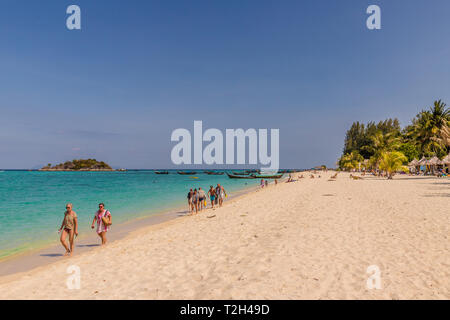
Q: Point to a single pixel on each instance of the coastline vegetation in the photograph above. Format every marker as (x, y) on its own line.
(385, 146)
(79, 165)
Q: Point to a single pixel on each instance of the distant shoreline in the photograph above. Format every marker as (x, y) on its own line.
(81, 170)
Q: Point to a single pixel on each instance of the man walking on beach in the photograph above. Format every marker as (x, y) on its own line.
(212, 195)
(202, 198)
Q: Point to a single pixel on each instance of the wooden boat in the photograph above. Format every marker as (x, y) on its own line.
(214, 173)
(189, 173)
(272, 176)
(244, 173)
(237, 176)
(162, 172)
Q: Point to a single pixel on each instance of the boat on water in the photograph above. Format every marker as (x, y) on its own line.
(243, 173)
(213, 173)
(189, 173)
(267, 176)
(239, 176)
(162, 172)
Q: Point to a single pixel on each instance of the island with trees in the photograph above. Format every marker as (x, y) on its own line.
(79, 165)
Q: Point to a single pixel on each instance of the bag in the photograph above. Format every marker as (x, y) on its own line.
(105, 221)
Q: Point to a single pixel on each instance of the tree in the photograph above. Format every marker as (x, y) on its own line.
(382, 143)
(410, 150)
(350, 161)
(430, 130)
(392, 162)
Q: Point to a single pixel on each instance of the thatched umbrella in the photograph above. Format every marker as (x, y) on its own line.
(423, 161)
(413, 165)
(446, 160)
(434, 161)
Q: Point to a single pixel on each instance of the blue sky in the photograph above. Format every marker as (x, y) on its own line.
(140, 69)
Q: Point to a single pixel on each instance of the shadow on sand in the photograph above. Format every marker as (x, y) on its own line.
(87, 245)
(52, 255)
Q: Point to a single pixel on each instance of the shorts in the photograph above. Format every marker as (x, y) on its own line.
(212, 198)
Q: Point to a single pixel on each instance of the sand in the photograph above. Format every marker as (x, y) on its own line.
(311, 239)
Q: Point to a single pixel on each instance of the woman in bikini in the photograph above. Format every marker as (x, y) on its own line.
(69, 227)
(101, 214)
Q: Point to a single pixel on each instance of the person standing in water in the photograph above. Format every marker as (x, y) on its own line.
(104, 220)
(69, 227)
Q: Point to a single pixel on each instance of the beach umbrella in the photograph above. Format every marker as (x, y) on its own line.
(423, 161)
(413, 163)
(434, 161)
(446, 160)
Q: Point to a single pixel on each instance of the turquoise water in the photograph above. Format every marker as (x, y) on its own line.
(32, 204)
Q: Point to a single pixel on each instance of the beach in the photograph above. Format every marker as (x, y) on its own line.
(309, 239)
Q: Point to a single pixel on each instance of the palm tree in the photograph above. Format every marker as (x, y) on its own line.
(381, 143)
(431, 129)
(392, 162)
(351, 161)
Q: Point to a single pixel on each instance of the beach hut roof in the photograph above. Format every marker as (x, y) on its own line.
(423, 161)
(446, 160)
(414, 163)
(434, 161)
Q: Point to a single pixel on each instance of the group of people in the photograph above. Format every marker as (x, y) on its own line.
(69, 226)
(197, 198)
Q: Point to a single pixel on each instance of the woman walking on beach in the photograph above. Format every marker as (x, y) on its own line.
(222, 193)
(104, 220)
(69, 227)
(190, 204)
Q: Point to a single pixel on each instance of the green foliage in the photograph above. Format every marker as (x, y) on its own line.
(350, 161)
(410, 150)
(427, 135)
(392, 162)
(81, 164)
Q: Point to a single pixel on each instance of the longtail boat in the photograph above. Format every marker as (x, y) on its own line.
(243, 173)
(272, 176)
(237, 176)
(162, 172)
(214, 173)
(187, 172)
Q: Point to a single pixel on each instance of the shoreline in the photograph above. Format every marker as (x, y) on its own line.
(53, 252)
(310, 239)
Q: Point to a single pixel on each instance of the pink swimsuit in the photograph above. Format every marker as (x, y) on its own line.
(100, 226)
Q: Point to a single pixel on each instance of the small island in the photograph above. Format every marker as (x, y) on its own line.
(79, 165)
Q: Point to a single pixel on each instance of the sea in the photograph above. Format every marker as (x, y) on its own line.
(32, 203)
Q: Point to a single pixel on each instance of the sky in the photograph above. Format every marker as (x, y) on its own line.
(137, 70)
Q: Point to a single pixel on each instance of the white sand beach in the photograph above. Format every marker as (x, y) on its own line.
(311, 239)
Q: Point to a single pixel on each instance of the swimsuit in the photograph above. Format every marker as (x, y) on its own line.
(69, 221)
